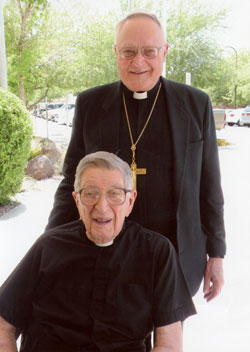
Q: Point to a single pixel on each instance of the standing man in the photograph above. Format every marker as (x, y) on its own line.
(165, 131)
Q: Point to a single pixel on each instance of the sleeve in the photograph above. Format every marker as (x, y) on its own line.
(172, 301)
(211, 196)
(17, 291)
(64, 208)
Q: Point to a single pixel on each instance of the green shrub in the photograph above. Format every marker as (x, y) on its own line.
(15, 139)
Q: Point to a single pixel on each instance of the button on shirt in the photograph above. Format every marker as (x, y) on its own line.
(68, 294)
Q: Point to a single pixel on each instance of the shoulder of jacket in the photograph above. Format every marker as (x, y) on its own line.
(99, 90)
(69, 228)
(183, 90)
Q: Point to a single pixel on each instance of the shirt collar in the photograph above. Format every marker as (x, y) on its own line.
(141, 95)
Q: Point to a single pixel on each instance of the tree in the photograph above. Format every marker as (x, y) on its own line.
(21, 40)
(243, 78)
(52, 50)
(40, 50)
(229, 77)
(192, 47)
(96, 59)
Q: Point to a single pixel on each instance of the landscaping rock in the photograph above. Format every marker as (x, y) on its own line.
(49, 149)
(45, 146)
(40, 167)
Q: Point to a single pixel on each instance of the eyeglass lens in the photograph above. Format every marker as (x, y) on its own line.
(147, 52)
(114, 196)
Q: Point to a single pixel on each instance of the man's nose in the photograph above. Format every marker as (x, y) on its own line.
(139, 58)
(102, 202)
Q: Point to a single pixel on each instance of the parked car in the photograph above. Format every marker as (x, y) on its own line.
(233, 117)
(56, 115)
(65, 116)
(245, 116)
(219, 118)
(52, 106)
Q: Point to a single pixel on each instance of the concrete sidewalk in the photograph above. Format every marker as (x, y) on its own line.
(221, 325)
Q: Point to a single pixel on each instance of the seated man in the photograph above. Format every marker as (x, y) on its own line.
(101, 283)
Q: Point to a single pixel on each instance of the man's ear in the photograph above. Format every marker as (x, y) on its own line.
(74, 194)
(165, 51)
(116, 51)
(132, 198)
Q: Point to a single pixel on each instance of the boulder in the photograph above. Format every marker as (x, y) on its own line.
(39, 168)
(45, 146)
(49, 149)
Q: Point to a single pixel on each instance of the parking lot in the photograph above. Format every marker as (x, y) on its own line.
(221, 325)
(239, 117)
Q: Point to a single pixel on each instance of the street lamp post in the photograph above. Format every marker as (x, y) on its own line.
(3, 65)
(164, 25)
(236, 66)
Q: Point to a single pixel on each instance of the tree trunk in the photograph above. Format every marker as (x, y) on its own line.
(22, 89)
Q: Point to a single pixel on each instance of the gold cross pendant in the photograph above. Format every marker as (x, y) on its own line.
(136, 171)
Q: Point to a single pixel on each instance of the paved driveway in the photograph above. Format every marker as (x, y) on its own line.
(223, 325)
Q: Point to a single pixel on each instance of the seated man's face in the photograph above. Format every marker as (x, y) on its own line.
(103, 221)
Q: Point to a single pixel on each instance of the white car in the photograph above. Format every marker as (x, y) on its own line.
(233, 117)
(61, 114)
(66, 117)
(245, 116)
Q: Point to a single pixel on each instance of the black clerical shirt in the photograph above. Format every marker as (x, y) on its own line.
(68, 294)
(155, 206)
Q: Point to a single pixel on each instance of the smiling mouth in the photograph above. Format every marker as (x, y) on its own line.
(102, 221)
(138, 73)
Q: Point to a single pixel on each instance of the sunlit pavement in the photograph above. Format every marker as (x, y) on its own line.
(222, 325)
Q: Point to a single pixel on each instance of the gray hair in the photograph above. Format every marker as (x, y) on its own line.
(138, 14)
(103, 160)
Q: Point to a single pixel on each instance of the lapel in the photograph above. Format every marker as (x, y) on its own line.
(109, 126)
(180, 129)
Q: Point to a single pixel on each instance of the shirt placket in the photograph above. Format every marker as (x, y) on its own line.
(97, 307)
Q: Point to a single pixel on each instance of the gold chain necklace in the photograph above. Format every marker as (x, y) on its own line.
(134, 169)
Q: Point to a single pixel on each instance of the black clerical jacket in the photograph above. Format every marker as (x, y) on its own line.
(197, 184)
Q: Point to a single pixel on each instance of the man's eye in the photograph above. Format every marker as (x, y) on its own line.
(128, 52)
(114, 193)
(89, 194)
(149, 51)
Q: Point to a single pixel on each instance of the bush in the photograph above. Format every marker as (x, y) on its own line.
(15, 139)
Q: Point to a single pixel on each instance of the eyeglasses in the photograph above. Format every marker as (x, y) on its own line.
(114, 196)
(148, 52)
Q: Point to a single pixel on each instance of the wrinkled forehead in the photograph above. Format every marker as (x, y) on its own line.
(139, 30)
(102, 178)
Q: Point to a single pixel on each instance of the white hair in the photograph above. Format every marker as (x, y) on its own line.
(103, 160)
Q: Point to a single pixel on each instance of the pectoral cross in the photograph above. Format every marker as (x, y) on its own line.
(134, 169)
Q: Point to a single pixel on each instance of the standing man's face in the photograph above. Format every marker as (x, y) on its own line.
(140, 73)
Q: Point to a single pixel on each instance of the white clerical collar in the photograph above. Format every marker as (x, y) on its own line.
(139, 96)
(104, 244)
